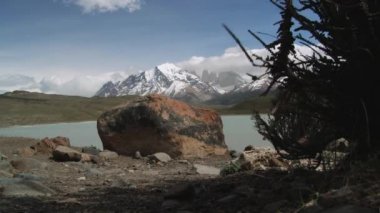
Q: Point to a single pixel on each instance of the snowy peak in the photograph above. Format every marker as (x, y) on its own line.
(166, 79)
(170, 80)
(258, 85)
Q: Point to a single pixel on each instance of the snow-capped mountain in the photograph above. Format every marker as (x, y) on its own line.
(170, 80)
(166, 79)
(253, 86)
(224, 82)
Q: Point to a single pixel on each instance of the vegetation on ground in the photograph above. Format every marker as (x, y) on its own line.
(330, 93)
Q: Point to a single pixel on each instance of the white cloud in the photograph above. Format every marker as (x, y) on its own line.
(233, 59)
(107, 5)
(81, 85)
(69, 83)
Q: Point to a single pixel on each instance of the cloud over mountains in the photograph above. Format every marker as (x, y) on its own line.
(106, 5)
(233, 59)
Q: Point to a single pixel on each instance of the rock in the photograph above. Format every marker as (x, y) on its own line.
(26, 152)
(138, 155)
(234, 154)
(92, 150)
(3, 157)
(108, 155)
(5, 174)
(261, 159)
(96, 159)
(206, 170)
(48, 145)
(249, 148)
(81, 178)
(274, 162)
(339, 145)
(156, 123)
(350, 209)
(86, 157)
(184, 161)
(16, 187)
(63, 153)
(160, 157)
(6, 168)
(28, 164)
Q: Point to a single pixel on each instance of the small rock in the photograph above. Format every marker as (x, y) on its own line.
(5, 174)
(108, 155)
(92, 150)
(81, 178)
(3, 157)
(82, 189)
(25, 152)
(160, 157)
(249, 148)
(86, 157)
(138, 155)
(5, 168)
(64, 153)
(184, 161)
(96, 159)
(28, 164)
(48, 145)
(234, 154)
(273, 162)
(206, 170)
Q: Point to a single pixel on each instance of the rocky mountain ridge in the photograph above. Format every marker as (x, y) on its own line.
(172, 81)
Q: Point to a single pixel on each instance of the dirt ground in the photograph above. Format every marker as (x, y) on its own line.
(131, 185)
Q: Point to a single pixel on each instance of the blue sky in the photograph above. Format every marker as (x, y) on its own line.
(47, 35)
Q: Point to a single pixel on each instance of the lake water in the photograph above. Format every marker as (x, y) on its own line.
(239, 131)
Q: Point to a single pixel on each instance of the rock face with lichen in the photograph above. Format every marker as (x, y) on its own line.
(157, 123)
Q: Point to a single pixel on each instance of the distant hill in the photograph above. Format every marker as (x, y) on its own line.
(24, 108)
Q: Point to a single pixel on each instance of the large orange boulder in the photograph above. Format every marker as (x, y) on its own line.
(156, 123)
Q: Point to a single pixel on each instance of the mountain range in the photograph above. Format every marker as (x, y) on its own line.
(173, 81)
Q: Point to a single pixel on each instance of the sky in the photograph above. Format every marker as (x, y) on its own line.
(83, 41)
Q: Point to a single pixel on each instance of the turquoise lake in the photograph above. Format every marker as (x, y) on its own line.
(239, 131)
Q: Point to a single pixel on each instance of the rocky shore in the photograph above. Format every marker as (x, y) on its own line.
(38, 182)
